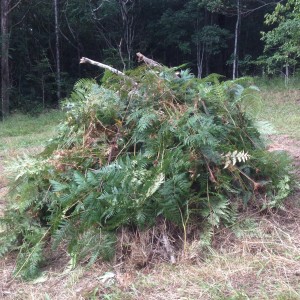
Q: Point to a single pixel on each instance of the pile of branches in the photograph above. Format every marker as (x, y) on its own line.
(152, 147)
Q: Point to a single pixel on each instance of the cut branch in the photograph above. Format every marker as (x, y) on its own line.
(148, 61)
(85, 60)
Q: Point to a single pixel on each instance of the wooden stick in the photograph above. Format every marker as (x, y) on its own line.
(85, 60)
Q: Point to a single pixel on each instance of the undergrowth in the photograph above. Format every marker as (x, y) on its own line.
(168, 151)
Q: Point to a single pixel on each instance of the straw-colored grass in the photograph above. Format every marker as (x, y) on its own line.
(258, 258)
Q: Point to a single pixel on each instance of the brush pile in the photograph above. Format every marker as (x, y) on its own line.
(151, 148)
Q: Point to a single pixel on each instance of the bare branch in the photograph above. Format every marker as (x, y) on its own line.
(97, 8)
(13, 7)
(22, 19)
(85, 60)
(67, 21)
(67, 39)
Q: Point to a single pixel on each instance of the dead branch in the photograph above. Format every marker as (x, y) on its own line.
(148, 61)
(85, 60)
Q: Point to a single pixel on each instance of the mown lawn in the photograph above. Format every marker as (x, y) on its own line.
(25, 131)
(280, 106)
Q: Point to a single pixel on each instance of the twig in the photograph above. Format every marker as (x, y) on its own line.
(204, 107)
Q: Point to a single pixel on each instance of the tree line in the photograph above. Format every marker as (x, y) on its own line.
(43, 41)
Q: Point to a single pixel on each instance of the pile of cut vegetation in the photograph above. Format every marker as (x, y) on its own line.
(149, 149)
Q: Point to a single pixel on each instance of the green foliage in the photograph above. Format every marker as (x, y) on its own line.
(282, 42)
(194, 31)
(128, 155)
(212, 37)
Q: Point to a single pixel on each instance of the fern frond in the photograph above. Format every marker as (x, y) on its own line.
(231, 158)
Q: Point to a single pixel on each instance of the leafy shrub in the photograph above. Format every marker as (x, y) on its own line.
(175, 148)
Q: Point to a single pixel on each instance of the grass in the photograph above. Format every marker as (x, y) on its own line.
(21, 132)
(261, 264)
(258, 258)
(24, 134)
(281, 106)
(282, 110)
(277, 84)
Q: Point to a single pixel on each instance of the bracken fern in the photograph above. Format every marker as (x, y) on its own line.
(127, 155)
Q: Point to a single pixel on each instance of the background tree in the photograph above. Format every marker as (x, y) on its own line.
(282, 43)
(200, 33)
(209, 40)
(242, 9)
(5, 10)
(57, 50)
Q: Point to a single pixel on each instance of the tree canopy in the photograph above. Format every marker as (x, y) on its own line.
(282, 45)
(42, 41)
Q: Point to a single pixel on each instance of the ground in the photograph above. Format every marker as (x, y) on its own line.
(258, 258)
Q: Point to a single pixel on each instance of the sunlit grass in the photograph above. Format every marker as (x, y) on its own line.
(277, 84)
(281, 107)
(24, 131)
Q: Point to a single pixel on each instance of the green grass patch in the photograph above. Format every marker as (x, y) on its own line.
(22, 131)
(277, 84)
(280, 104)
(282, 110)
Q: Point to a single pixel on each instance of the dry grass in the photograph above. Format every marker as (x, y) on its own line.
(258, 258)
(264, 263)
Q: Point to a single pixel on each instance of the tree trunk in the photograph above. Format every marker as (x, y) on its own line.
(4, 58)
(57, 52)
(200, 55)
(43, 91)
(126, 9)
(207, 67)
(200, 47)
(236, 41)
(286, 77)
